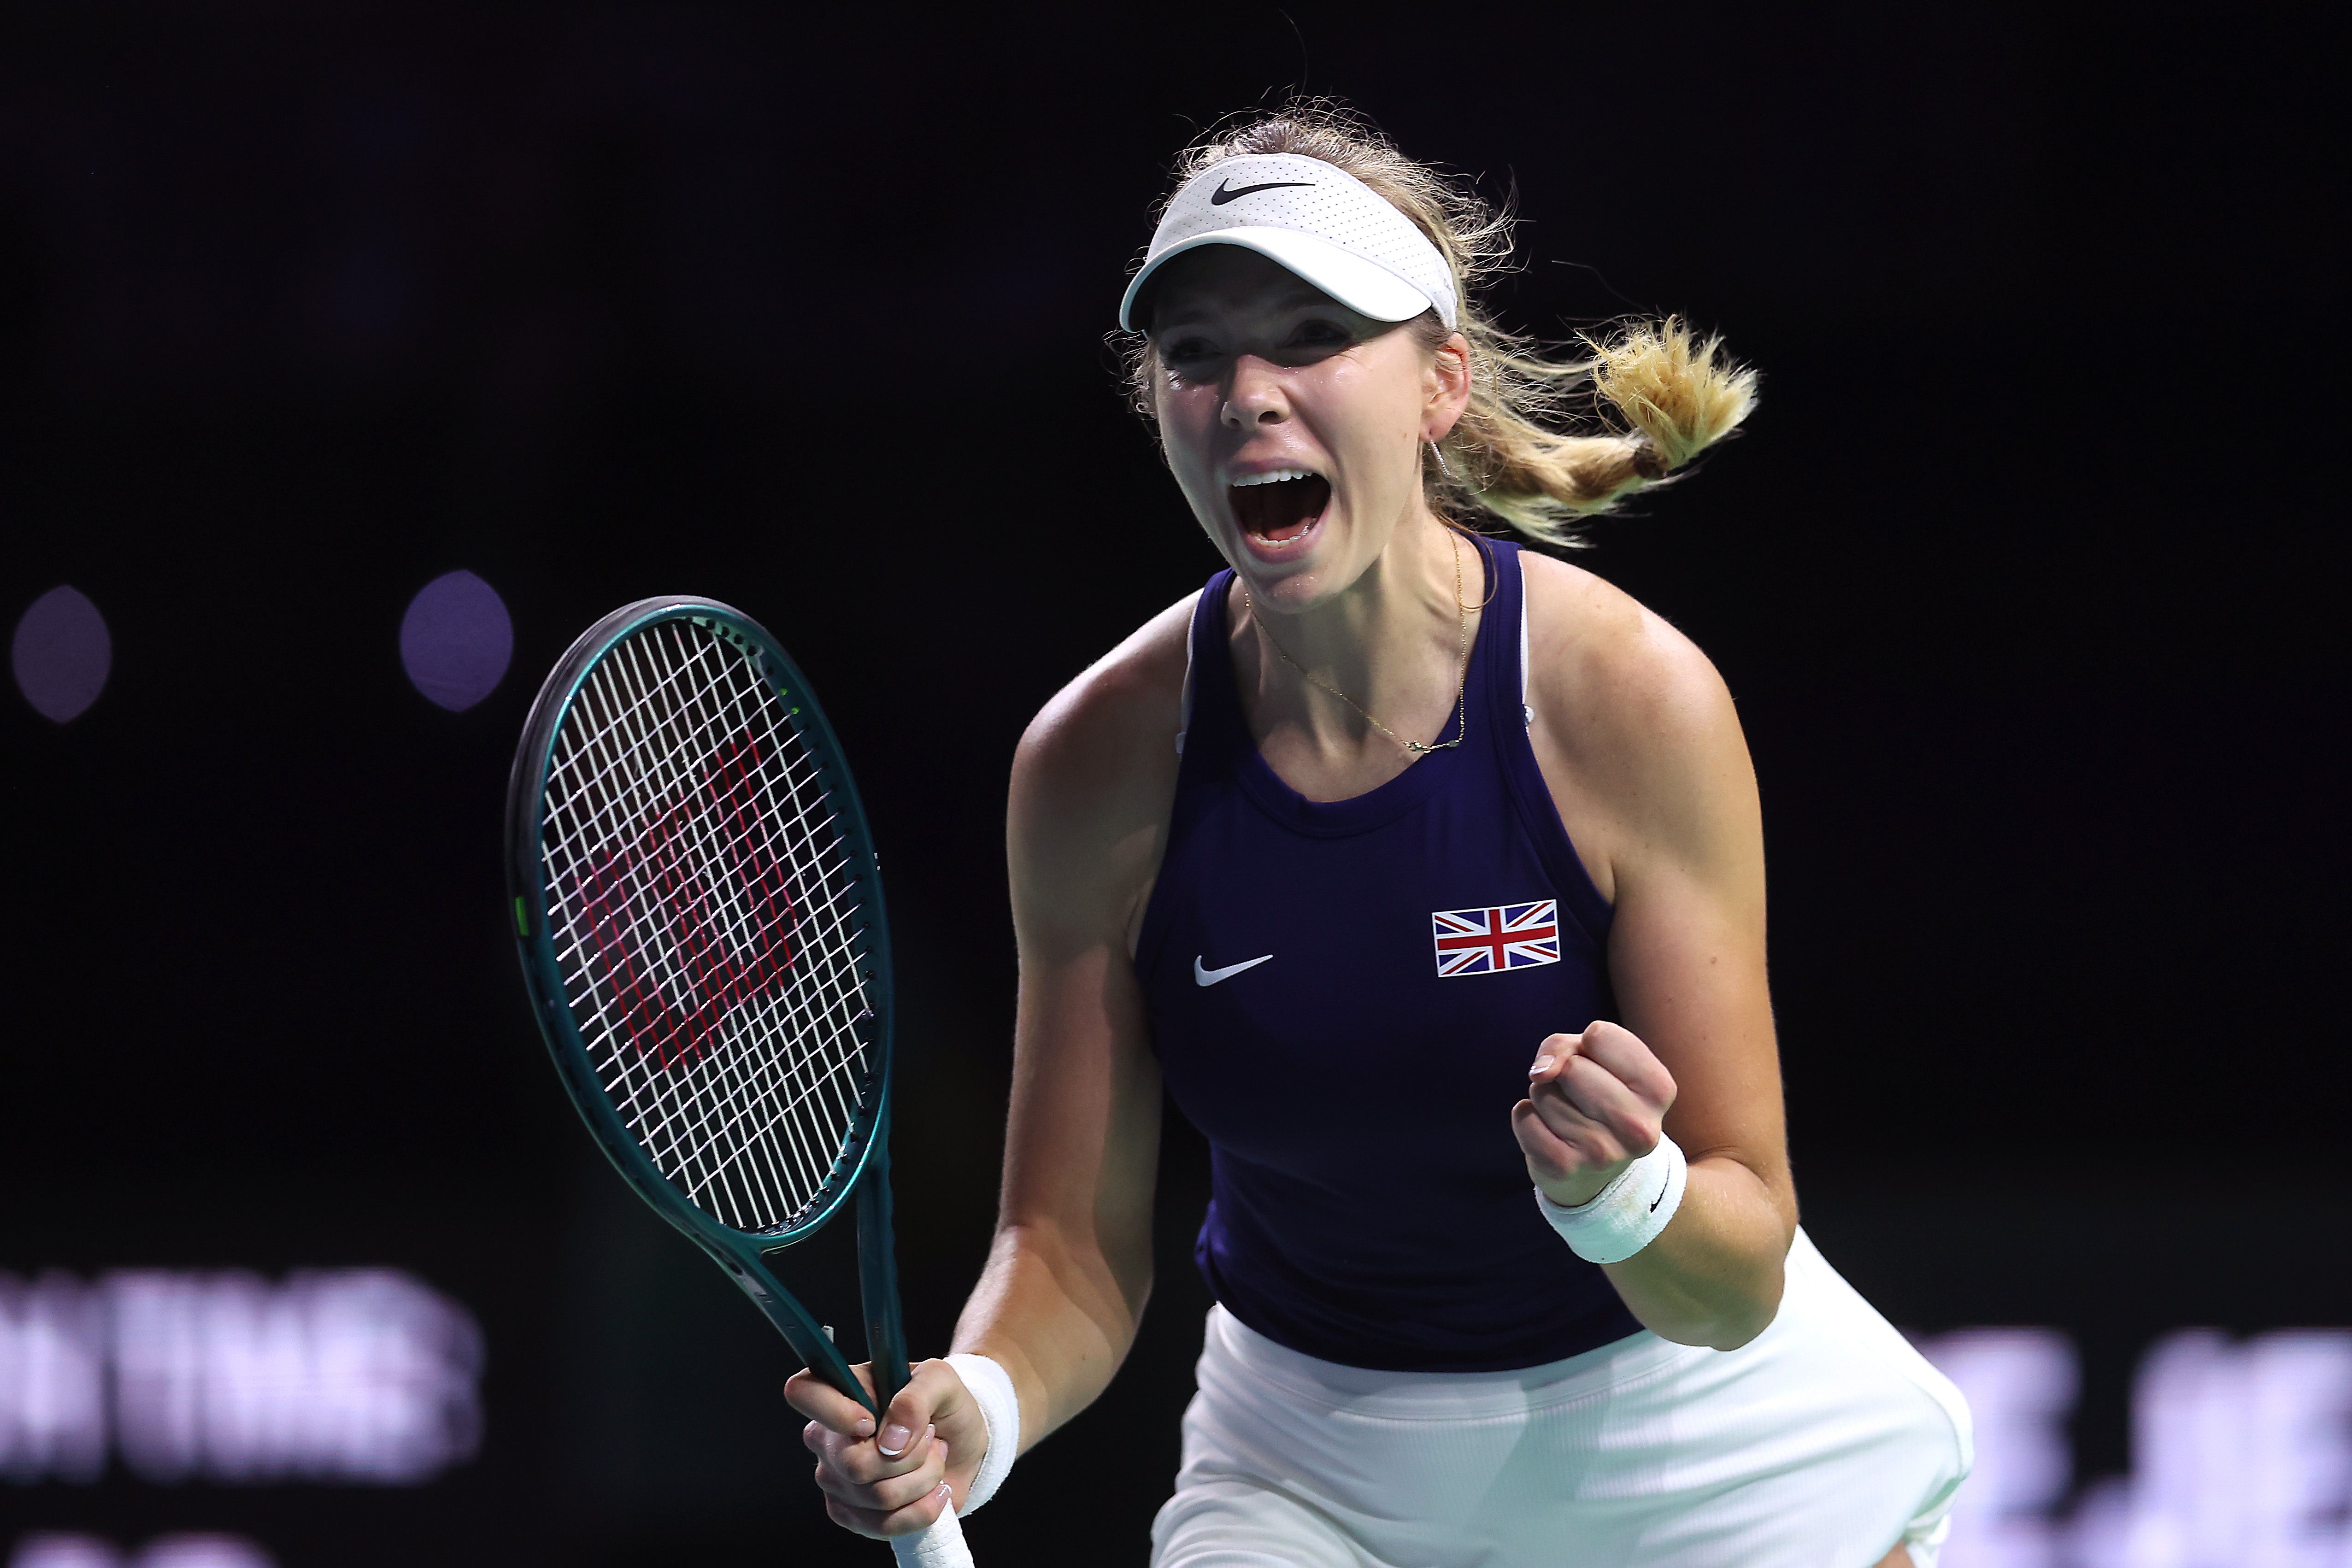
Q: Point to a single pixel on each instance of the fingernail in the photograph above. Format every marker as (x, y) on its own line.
(865, 1426)
(894, 1439)
(1542, 1064)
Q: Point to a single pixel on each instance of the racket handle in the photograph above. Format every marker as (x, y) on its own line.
(940, 1546)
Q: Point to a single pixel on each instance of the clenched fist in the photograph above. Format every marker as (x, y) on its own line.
(1596, 1102)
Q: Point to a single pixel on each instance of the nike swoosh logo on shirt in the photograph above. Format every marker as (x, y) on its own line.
(1220, 197)
(1201, 977)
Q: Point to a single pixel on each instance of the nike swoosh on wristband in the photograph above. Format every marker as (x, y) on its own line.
(1661, 1194)
(1220, 197)
(1201, 977)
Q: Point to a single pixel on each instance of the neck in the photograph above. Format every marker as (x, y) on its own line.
(1394, 641)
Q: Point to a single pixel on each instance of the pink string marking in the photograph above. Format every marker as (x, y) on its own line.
(715, 965)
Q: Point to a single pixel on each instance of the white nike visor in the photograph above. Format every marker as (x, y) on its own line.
(1315, 219)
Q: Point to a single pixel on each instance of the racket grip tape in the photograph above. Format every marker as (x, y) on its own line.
(940, 1546)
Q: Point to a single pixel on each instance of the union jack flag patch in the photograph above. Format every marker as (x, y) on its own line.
(1483, 941)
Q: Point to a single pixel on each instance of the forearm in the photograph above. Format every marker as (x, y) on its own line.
(1713, 1276)
(1058, 1315)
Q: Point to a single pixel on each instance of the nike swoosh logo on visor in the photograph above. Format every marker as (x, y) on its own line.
(1201, 977)
(1220, 197)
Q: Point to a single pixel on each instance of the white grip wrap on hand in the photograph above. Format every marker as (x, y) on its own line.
(941, 1545)
(990, 1388)
(1627, 1215)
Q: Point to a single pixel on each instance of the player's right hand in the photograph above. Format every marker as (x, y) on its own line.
(897, 1481)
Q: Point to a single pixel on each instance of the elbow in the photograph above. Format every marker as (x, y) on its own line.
(1734, 1331)
(1729, 1321)
(1718, 1332)
(1751, 1314)
(1135, 1294)
(1109, 1283)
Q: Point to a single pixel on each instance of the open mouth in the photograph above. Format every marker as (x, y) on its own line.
(1279, 508)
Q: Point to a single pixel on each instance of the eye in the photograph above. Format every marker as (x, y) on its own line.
(1187, 349)
(1320, 334)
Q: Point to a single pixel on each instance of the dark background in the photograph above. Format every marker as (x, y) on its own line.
(2023, 574)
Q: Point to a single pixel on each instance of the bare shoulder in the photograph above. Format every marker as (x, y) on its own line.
(1096, 771)
(1626, 703)
(1116, 724)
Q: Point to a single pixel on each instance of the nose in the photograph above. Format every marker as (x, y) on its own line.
(1254, 395)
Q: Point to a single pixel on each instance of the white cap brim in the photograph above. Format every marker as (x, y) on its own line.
(1363, 287)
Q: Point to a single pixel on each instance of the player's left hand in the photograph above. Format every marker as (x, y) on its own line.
(1596, 1102)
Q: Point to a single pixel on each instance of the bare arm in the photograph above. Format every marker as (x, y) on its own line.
(1652, 773)
(1070, 1269)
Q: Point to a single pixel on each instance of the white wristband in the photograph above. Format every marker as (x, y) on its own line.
(990, 1388)
(1627, 1215)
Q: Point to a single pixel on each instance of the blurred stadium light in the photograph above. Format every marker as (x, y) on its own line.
(360, 1374)
(61, 654)
(456, 640)
(2241, 1454)
(2021, 1386)
(52, 1380)
(52, 1549)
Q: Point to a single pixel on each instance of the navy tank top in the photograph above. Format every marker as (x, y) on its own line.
(1344, 997)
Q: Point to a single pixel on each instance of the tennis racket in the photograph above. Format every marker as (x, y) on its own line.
(700, 913)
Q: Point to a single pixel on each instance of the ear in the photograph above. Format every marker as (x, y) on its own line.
(1446, 387)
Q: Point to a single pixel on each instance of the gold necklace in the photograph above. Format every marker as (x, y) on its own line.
(1461, 685)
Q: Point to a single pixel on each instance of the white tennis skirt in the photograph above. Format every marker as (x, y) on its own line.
(1825, 1443)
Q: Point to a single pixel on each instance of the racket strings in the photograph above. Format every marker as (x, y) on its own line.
(708, 926)
(661, 1133)
(727, 1083)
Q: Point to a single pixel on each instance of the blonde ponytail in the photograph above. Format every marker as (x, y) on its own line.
(1544, 442)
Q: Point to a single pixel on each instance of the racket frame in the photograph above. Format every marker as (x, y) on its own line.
(862, 1168)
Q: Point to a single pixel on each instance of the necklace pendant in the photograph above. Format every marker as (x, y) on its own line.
(1461, 682)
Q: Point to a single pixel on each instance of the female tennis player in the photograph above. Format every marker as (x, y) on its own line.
(1418, 869)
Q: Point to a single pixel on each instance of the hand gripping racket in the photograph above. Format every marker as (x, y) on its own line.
(700, 915)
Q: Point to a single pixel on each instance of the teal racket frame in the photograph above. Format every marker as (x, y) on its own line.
(862, 1171)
